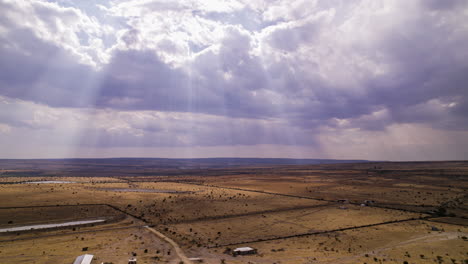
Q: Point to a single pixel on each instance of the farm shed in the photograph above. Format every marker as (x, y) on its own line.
(132, 261)
(244, 251)
(84, 259)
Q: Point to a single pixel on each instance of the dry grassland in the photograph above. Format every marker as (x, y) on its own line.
(280, 224)
(413, 242)
(207, 211)
(114, 246)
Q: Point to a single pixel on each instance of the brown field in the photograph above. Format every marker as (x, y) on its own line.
(280, 224)
(107, 246)
(290, 214)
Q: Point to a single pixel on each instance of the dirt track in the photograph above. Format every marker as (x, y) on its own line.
(176, 247)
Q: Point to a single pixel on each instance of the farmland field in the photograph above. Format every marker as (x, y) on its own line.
(329, 213)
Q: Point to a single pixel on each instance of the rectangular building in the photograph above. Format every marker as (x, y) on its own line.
(84, 259)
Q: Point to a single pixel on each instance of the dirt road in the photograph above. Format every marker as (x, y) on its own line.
(176, 247)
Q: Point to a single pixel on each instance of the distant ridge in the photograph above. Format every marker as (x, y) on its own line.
(268, 161)
(173, 162)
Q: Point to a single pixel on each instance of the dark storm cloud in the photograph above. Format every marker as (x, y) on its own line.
(32, 69)
(428, 63)
(139, 80)
(444, 5)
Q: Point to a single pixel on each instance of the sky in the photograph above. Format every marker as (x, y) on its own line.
(339, 79)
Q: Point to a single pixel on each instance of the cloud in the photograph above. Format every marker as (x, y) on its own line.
(109, 128)
(444, 5)
(282, 72)
(69, 28)
(66, 132)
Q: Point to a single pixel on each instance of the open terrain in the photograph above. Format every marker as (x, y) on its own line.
(162, 211)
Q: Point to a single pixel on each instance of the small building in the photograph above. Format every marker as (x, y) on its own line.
(343, 207)
(362, 205)
(132, 261)
(84, 259)
(199, 260)
(244, 251)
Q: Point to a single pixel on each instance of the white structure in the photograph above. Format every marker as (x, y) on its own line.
(84, 259)
(244, 251)
(132, 261)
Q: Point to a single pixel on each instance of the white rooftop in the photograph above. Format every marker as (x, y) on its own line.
(243, 249)
(84, 259)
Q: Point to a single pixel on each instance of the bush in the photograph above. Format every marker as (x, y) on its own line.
(441, 211)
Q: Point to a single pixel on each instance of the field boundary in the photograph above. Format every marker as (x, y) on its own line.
(56, 205)
(220, 217)
(448, 223)
(76, 205)
(318, 232)
(73, 233)
(306, 197)
(150, 228)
